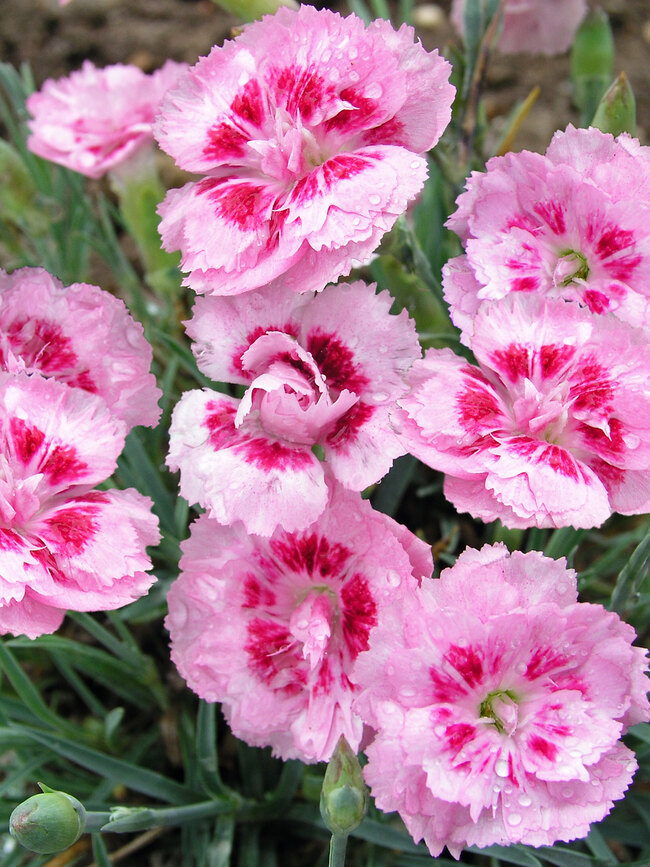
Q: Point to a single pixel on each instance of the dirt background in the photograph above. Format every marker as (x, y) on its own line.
(56, 40)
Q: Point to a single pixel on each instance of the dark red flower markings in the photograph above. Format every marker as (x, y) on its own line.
(240, 202)
(298, 90)
(464, 673)
(43, 346)
(72, 528)
(590, 389)
(60, 463)
(267, 455)
(227, 139)
(309, 563)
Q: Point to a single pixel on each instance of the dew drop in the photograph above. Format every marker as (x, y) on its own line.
(415, 164)
(326, 56)
(439, 730)
(501, 768)
(521, 667)
(407, 692)
(374, 199)
(334, 74)
(567, 792)
(380, 396)
(374, 91)
(524, 800)
(394, 578)
(514, 819)
(390, 670)
(353, 52)
(354, 76)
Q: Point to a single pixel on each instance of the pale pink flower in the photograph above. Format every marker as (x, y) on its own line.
(533, 26)
(573, 223)
(309, 128)
(79, 335)
(271, 627)
(64, 545)
(95, 120)
(321, 370)
(551, 429)
(498, 702)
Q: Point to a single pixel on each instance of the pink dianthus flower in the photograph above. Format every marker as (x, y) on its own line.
(309, 128)
(271, 627)
(64, 545)
(95, 120)
(533, 26)
(320, 370)
(573, 223)
(499, 702)
(551, 429)
(79, 335)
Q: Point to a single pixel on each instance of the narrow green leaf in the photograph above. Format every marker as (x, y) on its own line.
(206, 749)
(562, 857)
(380, 9)
(120, 772)
(220, 848)
(390, 492)
(100, 852)
(596, 842)
(631, 576)
(359, 8)
(519, 855)
(28, 694)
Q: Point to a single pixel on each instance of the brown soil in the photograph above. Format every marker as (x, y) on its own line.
(55, 40)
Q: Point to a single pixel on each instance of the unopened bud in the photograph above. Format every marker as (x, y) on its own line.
(49, 822)
(592, 62)
(344, 796)
(616, 112)
(249, 10)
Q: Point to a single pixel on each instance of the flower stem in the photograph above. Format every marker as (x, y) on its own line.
(338, 845)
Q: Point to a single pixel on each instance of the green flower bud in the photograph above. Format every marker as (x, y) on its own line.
(592, 62)
(249, 10)
(616, 112)
(49, 822)
(344, 796)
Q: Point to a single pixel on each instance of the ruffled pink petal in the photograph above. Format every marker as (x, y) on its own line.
(65, 436)
(30, 616)
(80, 335)
(96, 119)
(498, 704)
(270, 627)
(533, 26)
(242, 475)
(97, 543)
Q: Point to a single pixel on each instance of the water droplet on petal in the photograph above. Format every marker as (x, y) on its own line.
(524, 800)
(353, 52)
(415, 164)
(374, 199)
(514, 819)
(326, 56)
(393, 578)
(373, 91)
(501, 768)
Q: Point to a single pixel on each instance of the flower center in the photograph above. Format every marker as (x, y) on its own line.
(500, 706)
(311, 622)
(571, 267)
